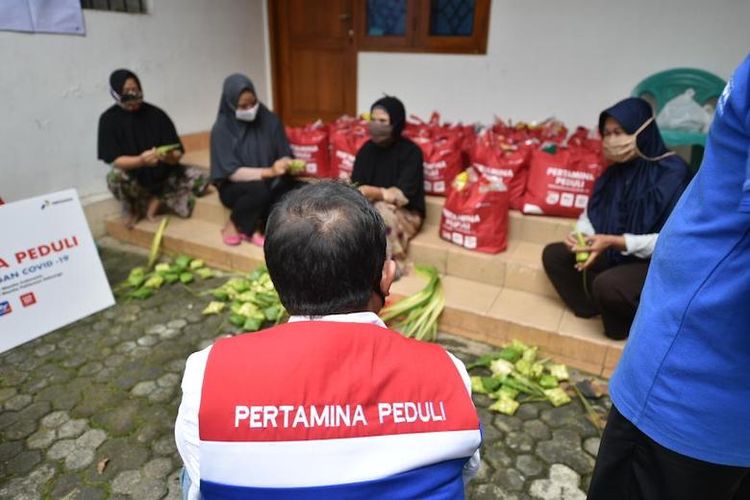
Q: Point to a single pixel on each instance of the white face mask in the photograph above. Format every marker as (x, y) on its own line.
(247, 115)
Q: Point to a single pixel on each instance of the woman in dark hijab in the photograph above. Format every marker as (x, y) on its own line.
(141, 143)
(250, 158)
(630, 203)
(388, 170)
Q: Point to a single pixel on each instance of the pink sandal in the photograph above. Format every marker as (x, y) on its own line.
(256, 239)
(231, 239)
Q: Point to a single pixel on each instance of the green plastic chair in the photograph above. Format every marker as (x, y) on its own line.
(661, 87)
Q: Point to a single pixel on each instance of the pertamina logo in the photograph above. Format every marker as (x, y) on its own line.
(5, 308)
(28, 299)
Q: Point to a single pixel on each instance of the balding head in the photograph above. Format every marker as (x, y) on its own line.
(325, 250)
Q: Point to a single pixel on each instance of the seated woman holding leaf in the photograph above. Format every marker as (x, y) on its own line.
(389, 171)
(601, 266)
(141, 143)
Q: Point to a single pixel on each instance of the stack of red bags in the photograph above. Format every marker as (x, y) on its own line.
(310, 144)
(347, 135)
(545, 174)
(497, 157)
(561, 179)
(445, 149)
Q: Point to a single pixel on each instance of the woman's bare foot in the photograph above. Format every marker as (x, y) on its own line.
(153, 209)
(131, 221)
(230, 229)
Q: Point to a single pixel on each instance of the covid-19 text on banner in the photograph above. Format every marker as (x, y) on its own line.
(50, 272)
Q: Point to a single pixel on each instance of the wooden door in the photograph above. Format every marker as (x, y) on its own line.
(314, 59)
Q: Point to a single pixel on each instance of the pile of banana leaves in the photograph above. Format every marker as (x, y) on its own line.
(517, 376)
(143, 282)
(417, 315)
(252, 301)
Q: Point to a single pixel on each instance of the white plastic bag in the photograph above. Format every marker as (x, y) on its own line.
(684, 114)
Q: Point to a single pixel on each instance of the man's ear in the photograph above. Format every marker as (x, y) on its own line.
(389, 274)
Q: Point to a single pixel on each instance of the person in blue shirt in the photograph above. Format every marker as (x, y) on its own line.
(680, 422)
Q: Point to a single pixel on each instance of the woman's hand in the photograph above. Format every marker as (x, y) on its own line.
(395, 196)
(172, 157)
(280, 167)
(596, 245)
(571, 241)
(150, 157)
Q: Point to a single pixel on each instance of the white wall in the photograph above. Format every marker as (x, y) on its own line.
(53, 87)
(567, 58)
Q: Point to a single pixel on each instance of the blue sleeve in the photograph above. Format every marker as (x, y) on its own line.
(740, 82)
(745, 200)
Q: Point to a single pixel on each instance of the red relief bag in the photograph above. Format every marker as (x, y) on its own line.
(508, 163)
(560, 182)
(475, 214)
(346, 137)
(466, 136)
(310, 144)
(415, 127)
(550, 130)
(584, 138)
(442, 162)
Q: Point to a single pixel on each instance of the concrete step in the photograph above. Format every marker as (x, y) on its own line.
(529, 228)
(197, 238)
(497, 315)
(518, 268)
(197, 158)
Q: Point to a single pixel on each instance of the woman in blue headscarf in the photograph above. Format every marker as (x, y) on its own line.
(250, 158)
(630, 203)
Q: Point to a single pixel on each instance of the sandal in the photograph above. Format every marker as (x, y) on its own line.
(231, 239)
(256, 239)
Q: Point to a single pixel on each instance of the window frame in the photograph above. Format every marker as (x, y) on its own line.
(417, 38)
(143, 7)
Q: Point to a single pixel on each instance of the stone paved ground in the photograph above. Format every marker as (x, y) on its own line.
(105, 391)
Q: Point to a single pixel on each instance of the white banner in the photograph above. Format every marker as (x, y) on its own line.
(50, 272)
(42, 16)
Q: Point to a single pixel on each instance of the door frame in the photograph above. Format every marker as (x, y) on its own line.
(274, 39)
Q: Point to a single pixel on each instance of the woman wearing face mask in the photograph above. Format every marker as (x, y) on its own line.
(628, 207)
(389, 172)
(143, 178)
(250, 156)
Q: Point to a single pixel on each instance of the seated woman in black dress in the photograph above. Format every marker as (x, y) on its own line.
(145, 179)
(630, 203)
(388, 170)
(250, 157)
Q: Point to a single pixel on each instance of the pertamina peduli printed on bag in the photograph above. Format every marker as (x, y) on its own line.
(475, 214)
(310, 144)
(560, 182)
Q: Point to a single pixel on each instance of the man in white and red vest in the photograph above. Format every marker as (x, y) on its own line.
(331, 404)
